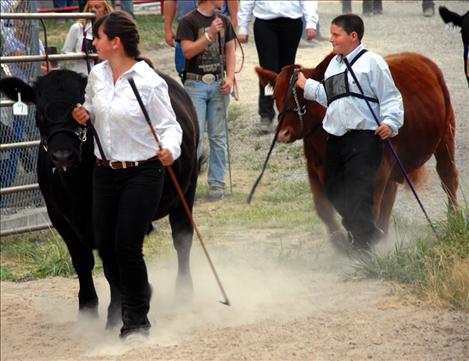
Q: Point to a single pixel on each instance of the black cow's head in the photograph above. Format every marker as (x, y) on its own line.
(55, 96)
(461, 21)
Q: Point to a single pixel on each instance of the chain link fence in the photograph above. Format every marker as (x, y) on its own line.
(25, 208)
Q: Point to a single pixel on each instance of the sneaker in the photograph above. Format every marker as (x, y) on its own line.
(428, 13)
(265, 125)
(215, 194)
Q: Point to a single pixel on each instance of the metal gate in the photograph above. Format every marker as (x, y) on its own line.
(22, 207)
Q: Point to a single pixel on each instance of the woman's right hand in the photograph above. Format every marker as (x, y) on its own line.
(243, 38)
(80, 114)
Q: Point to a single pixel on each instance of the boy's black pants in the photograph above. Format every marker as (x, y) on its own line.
(277, 41)
(124, 204)
(352, 163)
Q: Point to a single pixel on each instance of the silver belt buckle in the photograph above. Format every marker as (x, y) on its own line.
(208, 78)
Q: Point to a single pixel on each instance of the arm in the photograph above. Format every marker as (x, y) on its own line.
(169, 13)
(230, 60)
(233, 6)
(70, 43)
(313, 90)
(246, 7)
(166, 125)
(390, 100)
(193, 48)
(310, 13)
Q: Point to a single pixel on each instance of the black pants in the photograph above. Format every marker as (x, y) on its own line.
(428, 4)
(352, 162)
(124, 204)
(369, 6)
(277, 41)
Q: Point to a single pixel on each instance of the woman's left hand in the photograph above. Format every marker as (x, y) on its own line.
(226, 86)
(166, 157)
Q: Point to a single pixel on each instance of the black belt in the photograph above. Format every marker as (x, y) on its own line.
(208, 78)
(123, 165)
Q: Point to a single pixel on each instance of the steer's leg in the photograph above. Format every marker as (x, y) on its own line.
(182, 232)
(82, 260)
(446, 168)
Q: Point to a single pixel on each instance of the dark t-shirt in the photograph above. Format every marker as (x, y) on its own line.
(192, 27)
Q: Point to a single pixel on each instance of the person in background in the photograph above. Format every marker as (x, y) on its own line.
(207, 41)
(63, 3)
(354, 148)
(80, 35)
(428, 8)
(369, 7)
(128, 184)
(179, 8)
(16, 41)
(277, 31)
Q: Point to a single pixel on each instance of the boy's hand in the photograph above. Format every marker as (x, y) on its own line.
(80, 114)
(226, 86)
(384, 131)
(300, 81)
(215, 28)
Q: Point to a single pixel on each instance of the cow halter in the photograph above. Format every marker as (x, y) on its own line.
(79, 131)
(299, 109)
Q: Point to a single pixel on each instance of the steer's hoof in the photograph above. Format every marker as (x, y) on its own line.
(184, 290)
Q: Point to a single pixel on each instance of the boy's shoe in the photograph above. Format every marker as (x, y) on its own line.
(215, 193)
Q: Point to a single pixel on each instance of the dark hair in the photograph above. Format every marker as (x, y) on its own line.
(350, 23)
(120, 24)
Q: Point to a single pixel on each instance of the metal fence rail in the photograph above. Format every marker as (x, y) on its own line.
(22, 207)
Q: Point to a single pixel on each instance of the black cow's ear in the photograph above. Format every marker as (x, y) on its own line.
(12, 86)
(449, 16)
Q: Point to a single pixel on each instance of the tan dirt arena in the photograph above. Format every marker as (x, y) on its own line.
(280, 311)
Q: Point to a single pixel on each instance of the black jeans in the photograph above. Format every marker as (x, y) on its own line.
(352, 162)
(124, 204)
(277, 41)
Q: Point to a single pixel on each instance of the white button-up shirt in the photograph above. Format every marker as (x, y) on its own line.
(349, 113)
(267, 10)
(74, 43)
(118, 118)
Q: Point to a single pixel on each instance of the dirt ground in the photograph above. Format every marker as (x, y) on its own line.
(299, 309)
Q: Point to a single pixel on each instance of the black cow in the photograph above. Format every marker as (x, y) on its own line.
(463, 22)
(65, 164)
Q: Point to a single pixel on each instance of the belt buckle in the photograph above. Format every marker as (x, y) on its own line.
(208, 78)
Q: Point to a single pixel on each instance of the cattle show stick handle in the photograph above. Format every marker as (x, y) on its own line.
(180, 193)
(391, 148)
(222, 59)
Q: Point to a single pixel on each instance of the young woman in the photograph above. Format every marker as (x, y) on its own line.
(128, 177)
(80, 35)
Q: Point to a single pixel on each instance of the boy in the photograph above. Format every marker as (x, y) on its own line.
(207, 42)
(354, 148)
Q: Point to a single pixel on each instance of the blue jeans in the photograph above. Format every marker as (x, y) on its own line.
(179, 60)
(211, 107)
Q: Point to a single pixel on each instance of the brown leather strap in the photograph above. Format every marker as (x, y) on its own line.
(123, 165)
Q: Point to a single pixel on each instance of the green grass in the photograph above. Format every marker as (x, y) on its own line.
(35, 255)
(436, 269)
(150, 29)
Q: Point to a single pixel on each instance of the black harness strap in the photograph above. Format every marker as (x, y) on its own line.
(345, 91)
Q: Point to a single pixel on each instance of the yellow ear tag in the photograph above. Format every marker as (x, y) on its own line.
(20, 108)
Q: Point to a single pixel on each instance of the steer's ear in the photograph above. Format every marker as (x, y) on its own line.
(12, 86)
(266, 76)
(450, 17)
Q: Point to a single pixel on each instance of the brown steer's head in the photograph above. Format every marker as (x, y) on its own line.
(293, 127)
